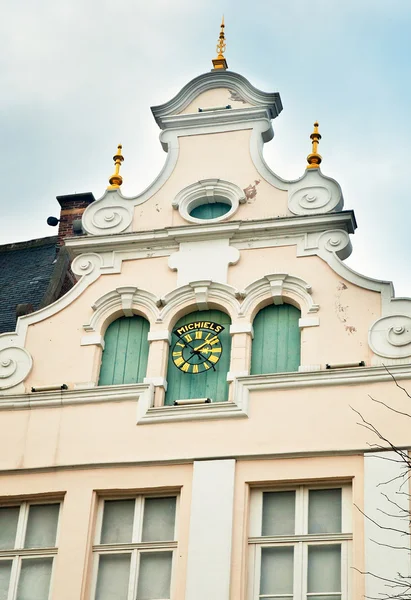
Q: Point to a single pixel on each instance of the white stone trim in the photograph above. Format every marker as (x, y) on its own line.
(85, 385)
(116, 210)
(143, 393)
(211, 528)
(323, 377)
(385, 474)
(198, 412)
(140, 392)
(157, 382)
(201, 123)
(274, 286)
(242, 328)
(128, 299)
(390, 336)
(217, 79)
(239, 231)
(314, 193)
(15, 363)
(219, 294)
(162, 335)
(190, 264)
(308, 368)
(308, 322)
(206, 191)
(312, 182)
(93, 340)
(231, 375)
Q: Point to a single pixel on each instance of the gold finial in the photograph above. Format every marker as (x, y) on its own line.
(220, 62)
(314, 159)
(116, 179)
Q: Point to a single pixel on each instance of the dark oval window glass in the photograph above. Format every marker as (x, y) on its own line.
(210, 210)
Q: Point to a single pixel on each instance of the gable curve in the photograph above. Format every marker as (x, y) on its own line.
(212, 80)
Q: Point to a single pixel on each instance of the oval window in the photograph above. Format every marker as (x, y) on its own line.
(210, 210)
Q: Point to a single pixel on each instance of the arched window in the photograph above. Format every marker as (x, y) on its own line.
(199, 357)
(276, 344)
(125, 352)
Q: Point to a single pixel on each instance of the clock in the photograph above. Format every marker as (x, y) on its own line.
(198, 347)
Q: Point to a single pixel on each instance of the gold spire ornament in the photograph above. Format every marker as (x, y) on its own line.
(116, 179)
(220, 62)
(314, 159)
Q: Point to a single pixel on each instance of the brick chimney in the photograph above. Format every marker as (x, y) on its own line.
(72, 208)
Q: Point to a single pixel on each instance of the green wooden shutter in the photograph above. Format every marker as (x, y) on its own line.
(126, 351)
(276, 344)
(211, 384)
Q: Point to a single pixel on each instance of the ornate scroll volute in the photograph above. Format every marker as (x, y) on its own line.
(110, 214)
(15, 363)
(314, 194)
(390, 337)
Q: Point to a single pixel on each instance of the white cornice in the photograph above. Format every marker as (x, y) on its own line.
(189, 460)
(109, 393)
(217, 79)
(143, 395)
(326, 377)
(235, 230)
(200, 412)
(222, 120)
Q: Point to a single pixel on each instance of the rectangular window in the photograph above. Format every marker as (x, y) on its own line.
(135, 546)
(299, 543)
(28, 546)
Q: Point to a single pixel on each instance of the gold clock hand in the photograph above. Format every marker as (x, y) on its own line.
(205, 343)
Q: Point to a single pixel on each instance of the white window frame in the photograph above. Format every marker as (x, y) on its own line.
(300, 540)
(135, 548)
(18, 554)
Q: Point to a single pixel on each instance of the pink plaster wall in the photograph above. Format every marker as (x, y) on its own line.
(346, 310)
(301, 420)
(80, 490)
(223, 155)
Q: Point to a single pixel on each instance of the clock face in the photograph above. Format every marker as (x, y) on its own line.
(198, 347)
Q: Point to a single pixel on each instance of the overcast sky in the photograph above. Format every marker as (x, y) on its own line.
(79, 77)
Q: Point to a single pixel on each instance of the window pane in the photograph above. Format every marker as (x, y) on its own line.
(154, 576)
(277, 570)
(333, 597)
(324, 511)
(159, 519)
(113, 577)
(5, 570)
(8, 526)
(324, 568)
(42, 526)
(34, 580)
(118, 521)
(278, 513)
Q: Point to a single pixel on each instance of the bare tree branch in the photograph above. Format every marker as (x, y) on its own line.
(379, 524)
(396, 382)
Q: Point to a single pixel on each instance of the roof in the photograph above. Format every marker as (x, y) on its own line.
(26, 269)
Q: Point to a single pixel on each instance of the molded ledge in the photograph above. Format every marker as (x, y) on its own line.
(141, 392)
(200, 412)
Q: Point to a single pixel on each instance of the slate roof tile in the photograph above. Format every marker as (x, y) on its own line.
(25, 272)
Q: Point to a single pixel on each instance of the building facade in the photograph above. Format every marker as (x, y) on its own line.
(179, 424)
